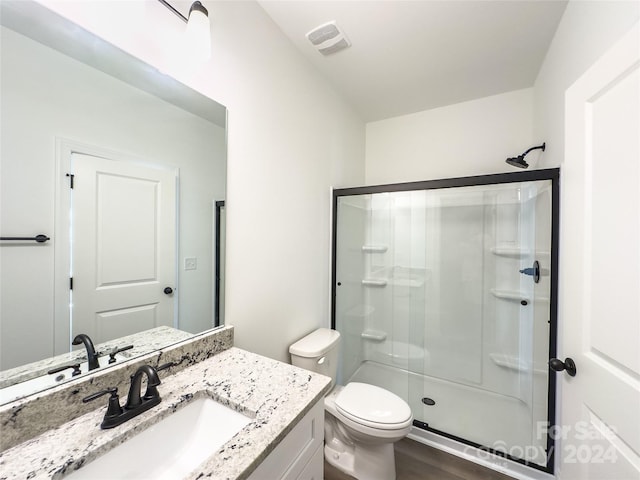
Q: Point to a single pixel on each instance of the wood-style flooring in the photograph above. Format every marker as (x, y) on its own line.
(416, 461)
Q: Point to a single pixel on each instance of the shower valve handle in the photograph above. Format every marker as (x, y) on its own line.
(558, 365)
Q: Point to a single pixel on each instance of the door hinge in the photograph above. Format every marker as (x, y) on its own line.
(70, 283)
(71, 177)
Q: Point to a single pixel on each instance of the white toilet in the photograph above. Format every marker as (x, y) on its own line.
(362, 421)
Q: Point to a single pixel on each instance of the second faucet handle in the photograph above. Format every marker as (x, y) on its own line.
(112, 354)
(113, 409)
(74, 366)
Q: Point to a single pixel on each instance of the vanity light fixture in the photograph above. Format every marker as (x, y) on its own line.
(198, 32)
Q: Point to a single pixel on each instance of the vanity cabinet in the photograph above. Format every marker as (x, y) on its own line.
(299, 456)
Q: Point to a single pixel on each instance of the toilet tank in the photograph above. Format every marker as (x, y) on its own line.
(318, 352)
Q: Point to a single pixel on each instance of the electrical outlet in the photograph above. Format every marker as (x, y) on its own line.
(190, 263)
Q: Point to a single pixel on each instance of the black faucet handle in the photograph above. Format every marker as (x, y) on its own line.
(93, 396)
(113, 409)
(112, 354)
(75, 366)
(164, 366)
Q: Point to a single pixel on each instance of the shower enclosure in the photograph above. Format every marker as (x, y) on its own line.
(444, 293)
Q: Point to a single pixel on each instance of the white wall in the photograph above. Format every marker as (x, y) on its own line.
(587, 30)
(47, 95)
(290, 138)
(469, 138)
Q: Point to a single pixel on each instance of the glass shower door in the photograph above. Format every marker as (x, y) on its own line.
(443, 296)
(486, 327)
(350, 303)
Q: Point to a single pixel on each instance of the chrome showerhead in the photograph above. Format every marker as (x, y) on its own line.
(519, 161)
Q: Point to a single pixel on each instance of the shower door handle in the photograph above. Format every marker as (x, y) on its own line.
(558, 365)
(534, 271)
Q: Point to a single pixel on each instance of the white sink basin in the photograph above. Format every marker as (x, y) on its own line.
(170, 449)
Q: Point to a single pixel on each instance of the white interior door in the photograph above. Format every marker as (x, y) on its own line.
(600, 266)
(123, 247)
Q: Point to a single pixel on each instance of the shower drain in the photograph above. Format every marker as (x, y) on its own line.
(428, 401)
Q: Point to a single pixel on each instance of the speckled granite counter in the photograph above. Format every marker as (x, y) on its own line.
(274, 394)
(36, 414)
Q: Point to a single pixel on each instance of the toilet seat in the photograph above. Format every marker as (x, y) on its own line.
(373, 407)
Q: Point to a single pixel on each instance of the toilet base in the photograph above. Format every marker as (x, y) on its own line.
(364, 462)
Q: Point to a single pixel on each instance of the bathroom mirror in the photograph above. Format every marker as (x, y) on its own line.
(124, 170)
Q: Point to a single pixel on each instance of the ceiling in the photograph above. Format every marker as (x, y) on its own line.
(409, 56)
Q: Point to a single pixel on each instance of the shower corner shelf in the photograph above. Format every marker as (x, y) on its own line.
(511, 362)
(375, 335)
(511, 251)
(374, 282)
(407, 282)
(510, 295)
(361, 311)
(374, 248)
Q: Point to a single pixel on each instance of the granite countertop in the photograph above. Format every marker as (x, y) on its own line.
(275, 395)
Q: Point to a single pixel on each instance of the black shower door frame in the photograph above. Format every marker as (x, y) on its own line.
(552, 174)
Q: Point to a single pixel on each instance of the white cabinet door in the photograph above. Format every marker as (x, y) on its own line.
(315, 468)
(296, 456)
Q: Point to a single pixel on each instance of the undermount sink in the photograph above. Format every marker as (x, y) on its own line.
(170, 449)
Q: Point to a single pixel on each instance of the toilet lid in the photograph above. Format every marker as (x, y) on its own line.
(372, 406)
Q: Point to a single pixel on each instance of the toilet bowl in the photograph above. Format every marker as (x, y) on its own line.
(362, 421)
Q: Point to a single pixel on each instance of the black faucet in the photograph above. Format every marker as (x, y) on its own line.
(134, 399)
(136, 402)
(92, 356)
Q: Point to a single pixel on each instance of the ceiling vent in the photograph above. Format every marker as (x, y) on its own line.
(328, 38)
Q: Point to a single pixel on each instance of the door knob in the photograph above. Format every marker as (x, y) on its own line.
(558, 365)
(168, 290)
